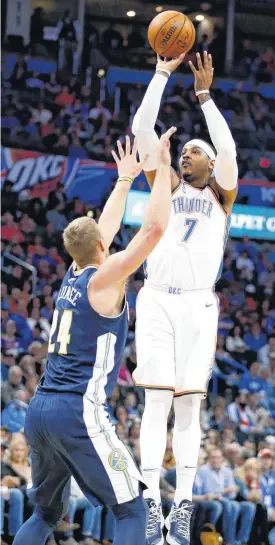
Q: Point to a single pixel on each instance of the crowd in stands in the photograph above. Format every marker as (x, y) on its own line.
(53, 115)
(238, 421)
(235, 483)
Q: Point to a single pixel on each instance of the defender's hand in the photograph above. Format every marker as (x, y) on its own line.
(127, 162)
(164, 147)
(204, 74)
(171, 64)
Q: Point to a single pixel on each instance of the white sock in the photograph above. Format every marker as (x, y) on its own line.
(153, 436)
(186, 443)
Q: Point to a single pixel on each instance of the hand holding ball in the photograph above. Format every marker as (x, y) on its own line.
(171, 33)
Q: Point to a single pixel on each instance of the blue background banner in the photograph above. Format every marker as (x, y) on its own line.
(251, 221)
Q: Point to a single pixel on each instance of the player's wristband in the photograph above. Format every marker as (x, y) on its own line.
(205, 92)
(125, 179)
(163, 72)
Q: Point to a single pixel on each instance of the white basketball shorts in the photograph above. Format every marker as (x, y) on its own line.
(176, 336)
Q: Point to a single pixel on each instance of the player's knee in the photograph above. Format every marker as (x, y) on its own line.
(187, 411)
(159, 401)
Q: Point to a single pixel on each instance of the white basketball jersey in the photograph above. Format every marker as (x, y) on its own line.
(190, 253)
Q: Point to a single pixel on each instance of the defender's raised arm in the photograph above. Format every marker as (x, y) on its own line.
(119, 266)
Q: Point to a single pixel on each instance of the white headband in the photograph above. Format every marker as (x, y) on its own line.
(203, 145)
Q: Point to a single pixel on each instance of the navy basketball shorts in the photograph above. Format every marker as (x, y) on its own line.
(70, 435)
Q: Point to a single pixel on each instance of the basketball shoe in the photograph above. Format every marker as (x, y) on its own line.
(154, 535)
(178, 523)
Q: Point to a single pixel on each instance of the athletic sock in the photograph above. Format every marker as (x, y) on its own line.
(186, 443)
(153, 437)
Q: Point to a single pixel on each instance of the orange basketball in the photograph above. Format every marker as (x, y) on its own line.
(171, 33)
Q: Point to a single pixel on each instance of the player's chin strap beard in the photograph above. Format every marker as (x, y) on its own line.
(189, 179)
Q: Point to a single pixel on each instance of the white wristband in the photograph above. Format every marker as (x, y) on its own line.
(206, 91)
(158, 70)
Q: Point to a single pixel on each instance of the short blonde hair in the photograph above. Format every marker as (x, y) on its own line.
(13, 445)
(81, 238)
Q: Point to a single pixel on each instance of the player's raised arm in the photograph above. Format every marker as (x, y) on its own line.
(226, 168)
(128, 169)
(145, 119)
(118, 267)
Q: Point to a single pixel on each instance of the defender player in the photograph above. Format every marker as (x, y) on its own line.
(177, 310)
(67, 426)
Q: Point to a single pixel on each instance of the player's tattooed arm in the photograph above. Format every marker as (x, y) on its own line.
(128, 169)
(225, 183)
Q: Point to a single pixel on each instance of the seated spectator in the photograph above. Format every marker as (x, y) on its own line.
(13, 385)
(235, 343)
(239, 413)
(98, 111)
(248, 480)
(255, 339)
(64, 98)
(10, 229)
(237, 518)
(11, 341)
(234, 455)
(13, 496)
(41, 114)
(266, 350)
(252, 382)
(14, 414)
(267, 481)
(208, 507)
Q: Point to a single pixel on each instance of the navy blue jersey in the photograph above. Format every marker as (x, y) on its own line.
(85, 348)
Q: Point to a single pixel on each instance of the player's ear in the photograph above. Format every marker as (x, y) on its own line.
(102, 245)
(211, 165)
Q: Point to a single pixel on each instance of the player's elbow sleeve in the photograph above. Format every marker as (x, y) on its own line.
(226, 169)
(147, 143)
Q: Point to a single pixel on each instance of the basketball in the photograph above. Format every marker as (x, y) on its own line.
(171, 33)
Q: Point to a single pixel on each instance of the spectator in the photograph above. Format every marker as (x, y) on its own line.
(11, 341)
(14, 414)
(41, 114)
(256, 339)
(267, 481)
(219, 480)
(64, 98)
(11, 230)
(248, 480)
(13, 385)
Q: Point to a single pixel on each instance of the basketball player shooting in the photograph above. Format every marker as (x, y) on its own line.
(67, 426)
(177, 309)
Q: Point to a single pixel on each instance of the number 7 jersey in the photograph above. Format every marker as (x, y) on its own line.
(85, 348)
(189, 255)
